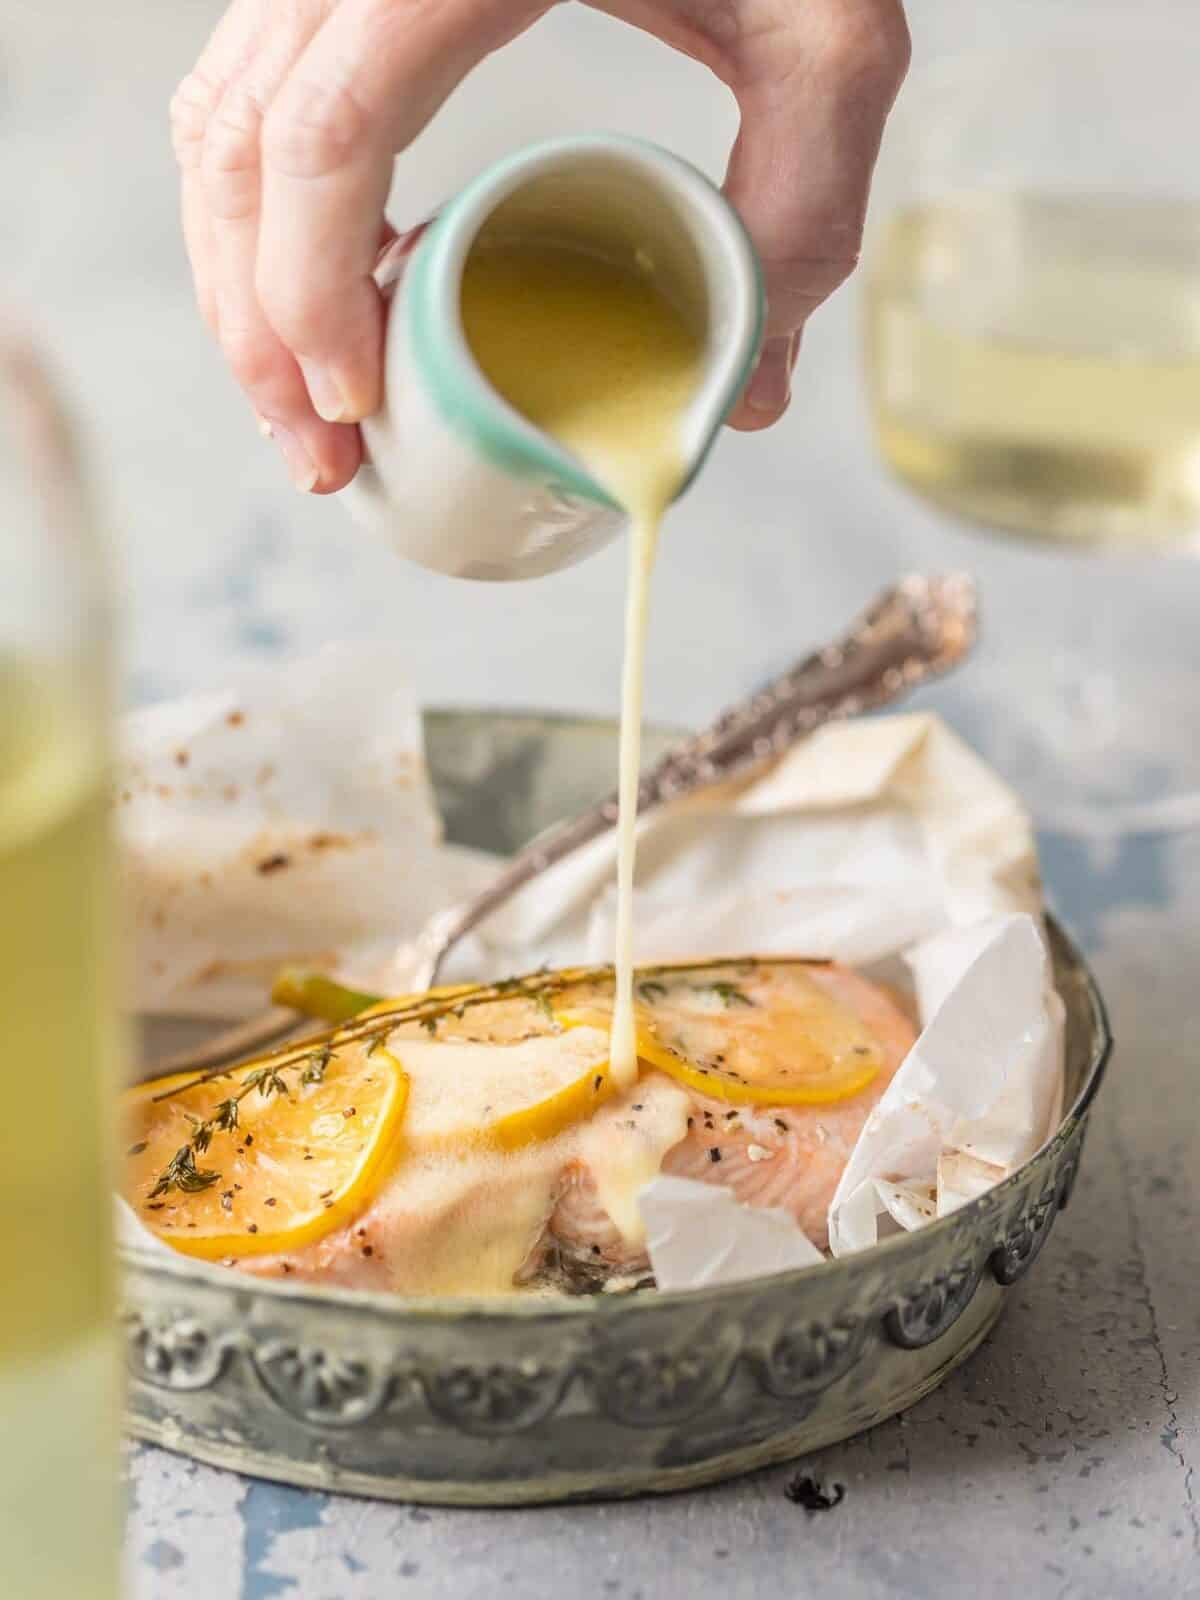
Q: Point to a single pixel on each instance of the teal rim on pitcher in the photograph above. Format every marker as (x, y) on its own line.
(462, 394)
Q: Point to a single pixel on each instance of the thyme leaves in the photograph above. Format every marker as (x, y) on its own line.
(727, 993)
(310, 1057)
(181, 1172)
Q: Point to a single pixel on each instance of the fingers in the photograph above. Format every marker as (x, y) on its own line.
(192, 108)
(285, 133)
(213, 118)
(320, 457)
(814, 93)
(287, 130)
(361, 90)
(814, 82)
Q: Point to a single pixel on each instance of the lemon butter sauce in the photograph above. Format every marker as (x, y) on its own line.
(595, 354)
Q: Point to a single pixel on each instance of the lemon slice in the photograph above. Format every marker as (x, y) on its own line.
(769, 1036)
(802, 1081)
(504, 1096)
(296, 1166)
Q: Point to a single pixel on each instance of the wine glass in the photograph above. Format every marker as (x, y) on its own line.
(1031, 326)
(59, 1394)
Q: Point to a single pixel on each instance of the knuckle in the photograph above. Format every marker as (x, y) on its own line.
(192, 107)
(233, 130)
(871, 50)
(799, 283)
(292, 309)
(251, 353)
(902, 48)
(312, 316)
(312, 130)
(209, 314)
(229, 165)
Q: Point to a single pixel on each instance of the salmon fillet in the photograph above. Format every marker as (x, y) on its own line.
(547, 1213)
(786, 1156)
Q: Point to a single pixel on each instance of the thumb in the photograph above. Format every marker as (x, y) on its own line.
(813, 110)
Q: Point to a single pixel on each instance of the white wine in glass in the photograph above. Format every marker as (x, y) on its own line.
(1032, 293)
(1035, 361)
(59, 1390)
(1031, 329)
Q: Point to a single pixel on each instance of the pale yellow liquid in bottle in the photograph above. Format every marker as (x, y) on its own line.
(1034, 362)
(59, 1392)
(597, 356)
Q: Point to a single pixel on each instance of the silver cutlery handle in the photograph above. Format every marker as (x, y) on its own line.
(920, 628)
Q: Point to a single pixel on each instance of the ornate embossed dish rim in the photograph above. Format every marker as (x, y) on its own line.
(485, 1401)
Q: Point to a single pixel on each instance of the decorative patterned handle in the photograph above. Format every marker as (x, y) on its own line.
(917, 630)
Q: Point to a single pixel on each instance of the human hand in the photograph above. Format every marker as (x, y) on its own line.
(287, 128)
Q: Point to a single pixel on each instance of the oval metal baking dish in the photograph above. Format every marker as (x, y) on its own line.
(505, 1402)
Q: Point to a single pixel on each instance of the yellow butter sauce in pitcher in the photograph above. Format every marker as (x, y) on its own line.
(594, 353)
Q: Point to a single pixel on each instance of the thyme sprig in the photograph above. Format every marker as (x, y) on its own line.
(651, 990)
(313, 1054)
(538, 987)
(181, 1172)
(366, 1030)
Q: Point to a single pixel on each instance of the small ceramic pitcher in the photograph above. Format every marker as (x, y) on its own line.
(455, 478)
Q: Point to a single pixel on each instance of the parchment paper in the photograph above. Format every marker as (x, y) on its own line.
(291, 820)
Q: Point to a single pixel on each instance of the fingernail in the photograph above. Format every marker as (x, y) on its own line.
(299, 462)
(770, 388)
(329, 399)
(264, 427)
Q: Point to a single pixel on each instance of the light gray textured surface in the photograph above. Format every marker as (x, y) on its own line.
(1058, 1463)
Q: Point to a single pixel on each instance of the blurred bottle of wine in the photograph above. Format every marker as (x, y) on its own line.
(1032, 287)
(59, 1388)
